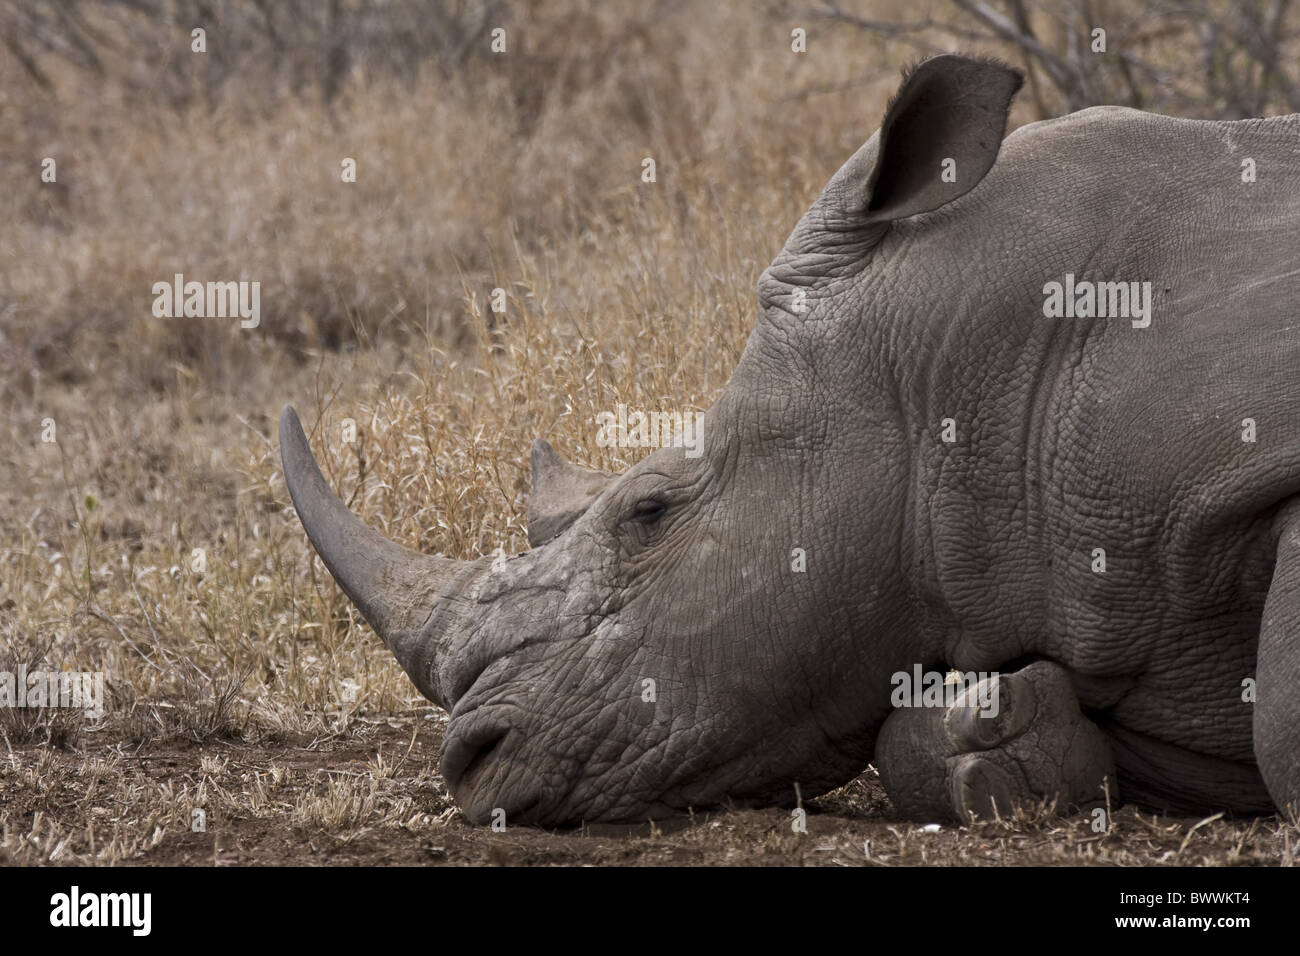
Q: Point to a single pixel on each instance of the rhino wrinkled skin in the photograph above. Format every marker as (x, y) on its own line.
(952, 462)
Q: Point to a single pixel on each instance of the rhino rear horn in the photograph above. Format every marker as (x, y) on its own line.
(561, 493)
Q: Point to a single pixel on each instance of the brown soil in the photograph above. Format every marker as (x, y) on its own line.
(369, 796)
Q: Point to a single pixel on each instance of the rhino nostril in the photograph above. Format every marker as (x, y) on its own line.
(482, 757)
(468, 755)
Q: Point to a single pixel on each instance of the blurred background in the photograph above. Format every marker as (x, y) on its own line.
(226, 163)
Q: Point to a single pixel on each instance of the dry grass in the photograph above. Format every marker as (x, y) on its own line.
(244, 683)
(375, 308)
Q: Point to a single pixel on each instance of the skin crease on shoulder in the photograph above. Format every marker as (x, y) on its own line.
(1095, 513)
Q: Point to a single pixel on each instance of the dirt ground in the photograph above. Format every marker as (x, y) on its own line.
(369, 796)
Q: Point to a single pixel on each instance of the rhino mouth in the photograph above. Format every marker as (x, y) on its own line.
(483, 771)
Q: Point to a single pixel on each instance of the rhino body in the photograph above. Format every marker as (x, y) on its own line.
(1099, 511)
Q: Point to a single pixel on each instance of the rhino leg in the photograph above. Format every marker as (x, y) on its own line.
(961, 762)
(1277, 670)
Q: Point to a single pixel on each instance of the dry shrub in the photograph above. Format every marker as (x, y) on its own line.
(453, 168)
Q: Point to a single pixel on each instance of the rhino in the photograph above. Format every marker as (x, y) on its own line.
(949, 446)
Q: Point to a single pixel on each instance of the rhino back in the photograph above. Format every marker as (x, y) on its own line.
(1087, 434)
(1158, 422)
(1151, 428)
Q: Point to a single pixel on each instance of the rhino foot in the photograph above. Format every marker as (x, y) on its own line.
(1011, 741)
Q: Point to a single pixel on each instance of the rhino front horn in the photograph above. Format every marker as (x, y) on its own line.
(410, 599)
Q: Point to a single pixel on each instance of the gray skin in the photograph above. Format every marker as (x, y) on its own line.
(923, 301)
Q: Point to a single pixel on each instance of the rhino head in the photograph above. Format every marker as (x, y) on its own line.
(715, 628)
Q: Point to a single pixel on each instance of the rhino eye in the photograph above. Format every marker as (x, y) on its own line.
(648, 511)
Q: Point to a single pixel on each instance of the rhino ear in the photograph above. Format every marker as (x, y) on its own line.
(561, 493)
(948, 108)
